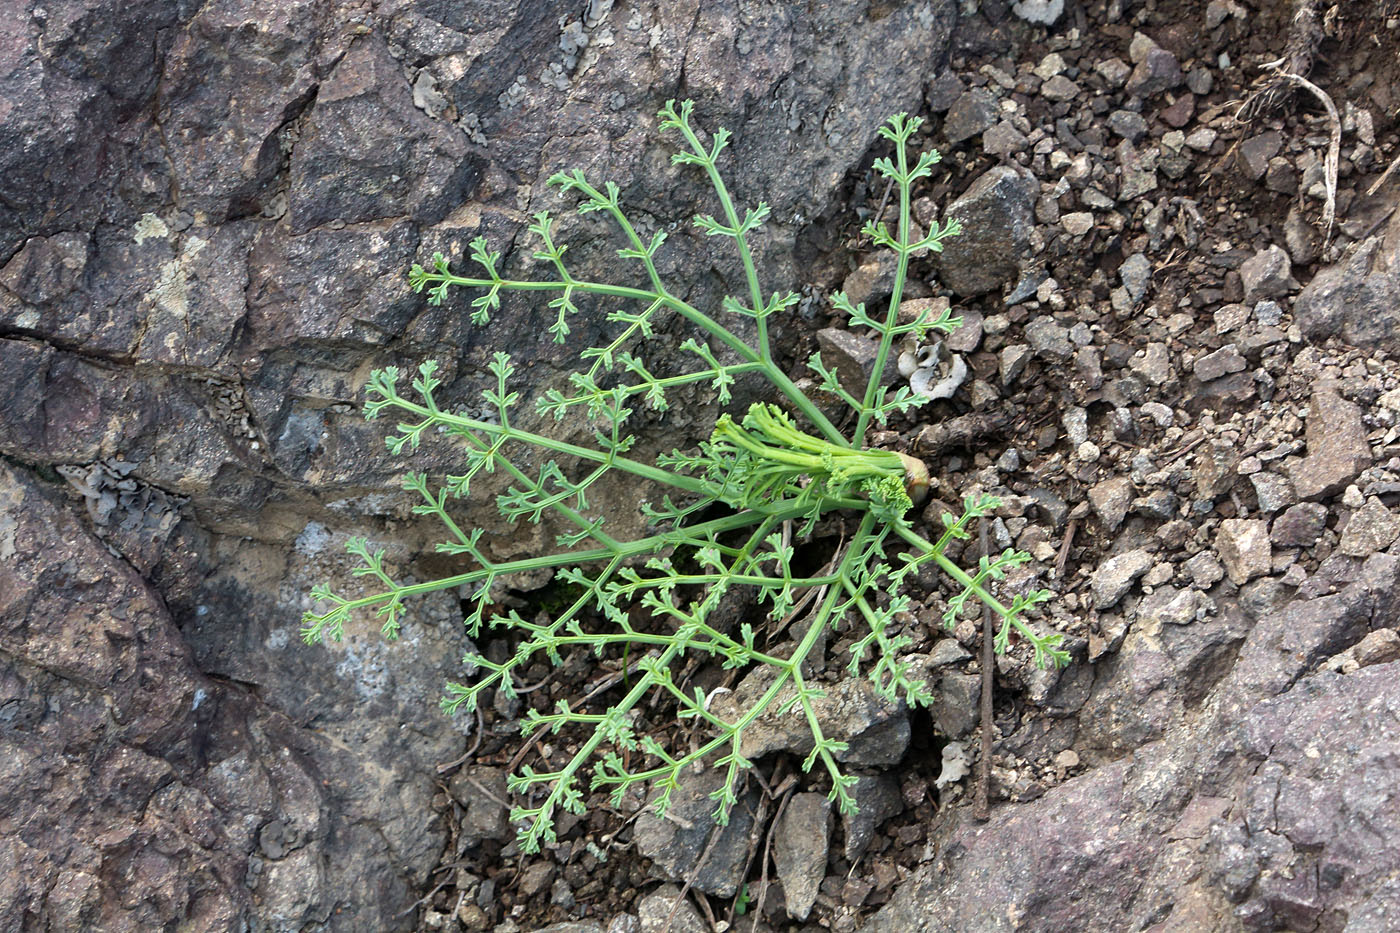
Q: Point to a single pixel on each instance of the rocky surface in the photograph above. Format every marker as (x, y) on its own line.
(207, 218)
(1266, 808)
(1182, 386)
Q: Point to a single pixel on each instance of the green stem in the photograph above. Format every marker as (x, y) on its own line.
(882, 356)
(644, 470)
(689, 312)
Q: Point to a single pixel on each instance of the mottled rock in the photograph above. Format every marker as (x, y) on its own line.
(1273, 780)
(368, 153)
(1115, 576)
(799, 851)
(1337, 446)
(1273, 492)
(1300, 526)
(1169, 606)
(1357, 298)
(1244, 548)
(1111, 500)
(1059, 88)
(1131, 126)
(1077, 223)
(1004, 139)
(1205, 569)
(1220, 363)
(1136, 275)
(1114, 71)
(1049, 339)
(1267, 274)
(877, 799)
(1379, 647)
(972, 113)
(1160, 414)
(1154, 365)
(1216, 471)
(996, 216)
(227, 789)
(1158, 71)
(666, 911)
(1371, 528)
(157, 158)
(226, 113)
(1324, 794)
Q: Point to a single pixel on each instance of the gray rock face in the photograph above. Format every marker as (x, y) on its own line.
(366, 153)
(877, 799)
(799, 851)
(1112, 581)
(1157, 72)
(207, 217)
(850, 711)
(676, 842)
(1273, 808)
(996, 214)
(973, 111)
(1222, 362)
(1357, 298)
(1267, 274)
(228, 789)
(1337, 446)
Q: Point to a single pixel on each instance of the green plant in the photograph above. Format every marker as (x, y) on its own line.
(727, 515)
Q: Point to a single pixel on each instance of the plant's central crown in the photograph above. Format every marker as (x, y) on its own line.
(771, 456)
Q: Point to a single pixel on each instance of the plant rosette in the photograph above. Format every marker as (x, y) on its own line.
(727, 514)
